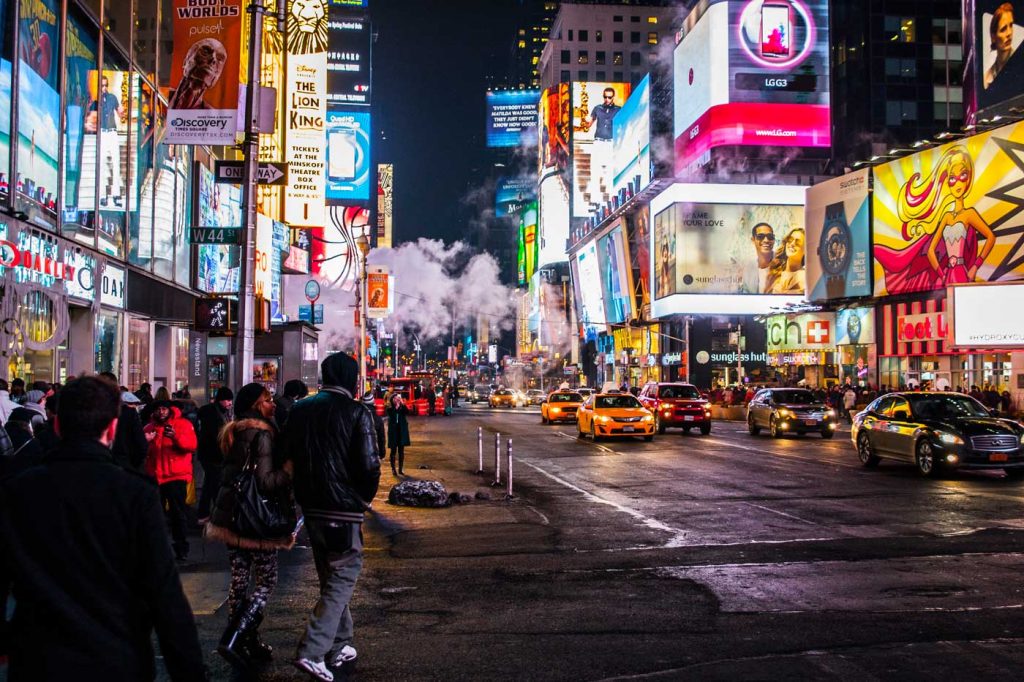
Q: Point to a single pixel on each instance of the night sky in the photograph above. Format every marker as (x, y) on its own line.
(430, 61)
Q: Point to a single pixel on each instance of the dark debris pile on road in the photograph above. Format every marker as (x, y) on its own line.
(424, 494)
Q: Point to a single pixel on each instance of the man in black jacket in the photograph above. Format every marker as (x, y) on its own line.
(332, 443)
(130, 446)
(92, 576)
(212, 418)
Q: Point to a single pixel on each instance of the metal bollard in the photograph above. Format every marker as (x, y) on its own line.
(497, 459)
(480, 449)
(508, 462)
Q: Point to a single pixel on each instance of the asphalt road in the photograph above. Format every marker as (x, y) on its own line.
(718, 557)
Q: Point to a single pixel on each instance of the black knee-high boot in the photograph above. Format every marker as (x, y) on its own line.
(232, 644)
(392, 458)
(401, 461)
(255, 647)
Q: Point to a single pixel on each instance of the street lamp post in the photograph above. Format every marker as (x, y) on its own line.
(363, 244)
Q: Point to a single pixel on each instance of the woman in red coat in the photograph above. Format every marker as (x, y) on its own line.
(172, 440)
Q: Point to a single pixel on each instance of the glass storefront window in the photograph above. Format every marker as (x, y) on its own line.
(81, 121)
(145, 218)
(138, 353)
(117, 19)
(108, 343)
(182, 161)
(144, 39)
(38, 111)
(180, 358)
(5, 96)
(117, 95)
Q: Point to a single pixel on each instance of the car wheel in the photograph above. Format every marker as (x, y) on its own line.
(648, 438)
(579, 430)
(752, 428)
(705, 430)
(927, 465)
(865, 452)
(543, 419)
(827, 433)
(659, 424)
(773, 427)
(593, 432)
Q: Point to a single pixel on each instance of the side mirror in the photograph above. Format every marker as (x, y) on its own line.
(901, 416)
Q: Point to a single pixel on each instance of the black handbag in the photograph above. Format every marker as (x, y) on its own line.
(261, 516)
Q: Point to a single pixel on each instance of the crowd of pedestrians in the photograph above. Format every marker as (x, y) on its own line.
(100, 568)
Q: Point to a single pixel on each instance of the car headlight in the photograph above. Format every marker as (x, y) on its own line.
(949, 438)
(603, 420)
(648, 418)
(555, 410)
(830, 413)
(785, 413)
(1022, 439)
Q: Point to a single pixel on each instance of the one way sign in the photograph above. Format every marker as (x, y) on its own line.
(270, 173)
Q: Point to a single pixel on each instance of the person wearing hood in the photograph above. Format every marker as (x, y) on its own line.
(249, 440)
(130, 445)
(26, 450)
(378, 421)
(332, 442)
(34, 400)
(294, 390)
(172, 441)
(212, 418)
(6, 404)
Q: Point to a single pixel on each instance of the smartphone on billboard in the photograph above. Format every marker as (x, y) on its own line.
(776, 30)
(341, 155)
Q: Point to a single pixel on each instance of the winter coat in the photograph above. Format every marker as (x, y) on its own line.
(282, 408)
(93, 574)
(39, 414)
(247, 437)
(6, 405)
(170, 458)
(332, 443)
(378, 427)
(130, 446)
(212, 418)
(849, 399)
(398, 426)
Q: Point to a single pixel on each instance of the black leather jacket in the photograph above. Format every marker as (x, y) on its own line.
(332, 442)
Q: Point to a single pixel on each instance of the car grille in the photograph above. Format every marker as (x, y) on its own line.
(809, 415)
(627, 420)
(995, 442)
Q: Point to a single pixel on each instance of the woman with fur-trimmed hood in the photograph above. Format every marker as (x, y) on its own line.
(252, 434)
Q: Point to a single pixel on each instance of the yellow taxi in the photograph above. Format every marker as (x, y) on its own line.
(503, 397)
(560, 406)
(614, 414)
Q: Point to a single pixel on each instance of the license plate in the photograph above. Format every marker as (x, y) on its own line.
(811, 422)
(688, 418)
(998, 457)
(628, 429)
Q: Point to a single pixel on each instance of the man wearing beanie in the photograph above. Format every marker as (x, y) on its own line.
(34, 401)
(130, 445)
(332, 443)
(212, 418)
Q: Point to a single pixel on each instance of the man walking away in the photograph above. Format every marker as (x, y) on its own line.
(332, 443)
(212, 418)
(294, 390)
(93, 576)
(130, 446)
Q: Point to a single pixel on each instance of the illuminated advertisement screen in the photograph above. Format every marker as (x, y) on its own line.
(511, 117)
(512, 195)
(714, 255)
(632, 139)
(217, 205)
(348, 156)
(588, 284)
(839, 238)
(640, 247)
(594, 108)
(553, 122)
(752, 73)
(998, 61)
(554, 219)
(528, 235)
(616, 284)
(950, 215)
(348, 57)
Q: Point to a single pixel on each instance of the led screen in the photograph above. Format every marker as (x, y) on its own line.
(838, 238)
(588, 283)
(594, 109)
(512, 195)
(554, 121)
(616, 286)
(528, 239)
(998, 61)
(348, 156)
(554, 219)
(348, 57)
(511, 117)
(632, 139)
(217, 205)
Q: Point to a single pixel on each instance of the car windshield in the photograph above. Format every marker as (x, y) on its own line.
(945, 406)
(617, 401)
(684, 392)
(794, 397)
(565, 398)
(503, 391)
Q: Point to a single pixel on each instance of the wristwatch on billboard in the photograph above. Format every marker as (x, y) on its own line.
(835, 250)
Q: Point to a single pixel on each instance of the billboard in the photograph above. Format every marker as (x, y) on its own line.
(205, 72)
(752, 73)
(839, 238)
(973, 324)
(587, 282)
(511, 117)
(348, 56)
(305, 112)
(713, 254)
(855, 326)
(528, 242)
(554, 123)
(512, 195)
(333, 253)
(806, 332)
(216, 205)
(594, 108)
(377, 293)
(950, 215)
(554, 219)
(385, 204)
(631, 131)
(640, 248)
(616, 280)
(994, 33)
(348, 156)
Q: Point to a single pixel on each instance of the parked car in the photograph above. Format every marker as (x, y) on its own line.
(535, 396)
(676, 405)
(560, 406)
(789, 410)
(618, 414)
(503, 397)
(939, 433)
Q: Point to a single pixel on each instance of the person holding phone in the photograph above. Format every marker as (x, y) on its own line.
(172, 440)
(398, 432)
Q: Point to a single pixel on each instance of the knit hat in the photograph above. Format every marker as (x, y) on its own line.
(129, 398)
(224, 393)
(34, 396)
(368, 398)
(245, 400)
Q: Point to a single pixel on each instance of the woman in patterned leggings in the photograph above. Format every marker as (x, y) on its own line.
(250, 437)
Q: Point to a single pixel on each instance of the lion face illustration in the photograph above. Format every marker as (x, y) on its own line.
(307, 26)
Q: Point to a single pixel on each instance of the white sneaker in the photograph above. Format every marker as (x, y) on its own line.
(346, 655)
(315, 669)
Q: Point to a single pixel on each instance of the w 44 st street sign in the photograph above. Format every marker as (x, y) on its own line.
(269, 173)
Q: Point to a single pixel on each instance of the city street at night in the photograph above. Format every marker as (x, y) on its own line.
(719, 557)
